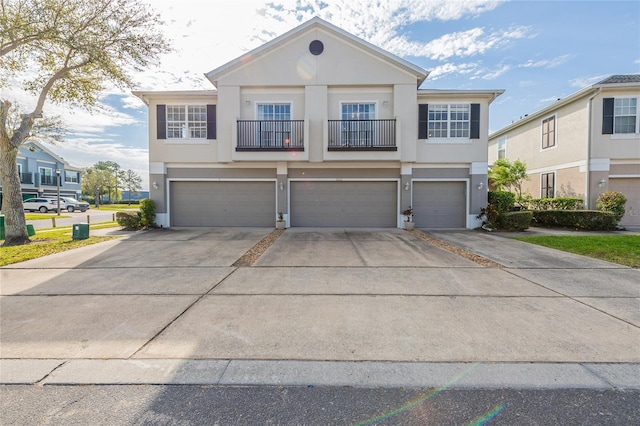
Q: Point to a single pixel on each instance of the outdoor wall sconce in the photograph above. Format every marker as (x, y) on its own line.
(480, 186)
(407, 185)
(281, 186)
(601, 183)
(385, 103)
(247, 103)
(155, 185)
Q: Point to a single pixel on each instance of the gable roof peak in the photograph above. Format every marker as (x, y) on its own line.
(317, 22)
(621, 78)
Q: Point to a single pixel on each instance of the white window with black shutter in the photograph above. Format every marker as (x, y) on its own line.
(620, 116)
(450, 122)
(186, 122)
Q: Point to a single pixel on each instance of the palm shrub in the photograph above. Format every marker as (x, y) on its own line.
(612, 201)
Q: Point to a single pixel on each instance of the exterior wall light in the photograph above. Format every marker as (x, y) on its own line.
(480, 186)
(601, 183)
(281, 186)
(407, 185)
(155, 185)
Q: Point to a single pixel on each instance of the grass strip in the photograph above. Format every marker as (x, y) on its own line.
(620, 249)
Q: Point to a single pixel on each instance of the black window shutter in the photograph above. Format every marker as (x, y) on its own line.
(474, 130)
(161, 119)
(211, 122)
(423, 121)
(607, 116)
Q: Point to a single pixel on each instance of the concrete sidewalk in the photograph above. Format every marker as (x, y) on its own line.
(343, 307)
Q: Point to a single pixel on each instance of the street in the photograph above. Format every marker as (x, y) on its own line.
(309, 405)
(94, 216)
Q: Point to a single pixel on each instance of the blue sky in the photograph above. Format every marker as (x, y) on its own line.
(537, 51)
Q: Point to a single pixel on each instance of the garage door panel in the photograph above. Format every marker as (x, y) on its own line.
(439, 204)
(222, 203)
(344, 204)
(630, 187)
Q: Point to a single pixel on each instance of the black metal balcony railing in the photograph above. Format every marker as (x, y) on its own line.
(47, 180)
(362, 135)
(270, 135)
(26, 178)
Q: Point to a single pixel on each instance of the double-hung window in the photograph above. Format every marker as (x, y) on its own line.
(502, 148)
(625, 115)
(186, 121)
(620, 116)
(449, 121)
(549, 132)
(274, 128)
(71, 177)
(547, 185)
(357, 127)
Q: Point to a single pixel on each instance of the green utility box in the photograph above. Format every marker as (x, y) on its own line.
(80, 231)
(1, 227)
(30, 230)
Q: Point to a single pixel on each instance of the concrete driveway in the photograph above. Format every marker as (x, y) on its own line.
(315, 295)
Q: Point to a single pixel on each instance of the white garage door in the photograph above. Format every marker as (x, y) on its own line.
(344, 204)
(630, 187)
(439, 204)
(223, 203)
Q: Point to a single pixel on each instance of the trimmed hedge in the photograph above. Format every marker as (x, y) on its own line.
(559, 203)
(148, 213)
(591, 220)
(129, 220)
(612, 201)
(503, 201)
(515, 221)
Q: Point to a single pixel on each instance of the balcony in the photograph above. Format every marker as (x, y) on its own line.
(47, 180)
(26, 178)
(362, 135)
(270, 135)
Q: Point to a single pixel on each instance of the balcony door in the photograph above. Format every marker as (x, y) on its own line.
(357, 129)
(275, 125)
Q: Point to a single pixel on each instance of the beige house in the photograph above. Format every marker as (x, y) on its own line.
(583, 145)
(324, 127)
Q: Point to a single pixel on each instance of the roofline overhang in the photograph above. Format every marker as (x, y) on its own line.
(492, 94)
(146, 95)
(216, 73)
(588, 91)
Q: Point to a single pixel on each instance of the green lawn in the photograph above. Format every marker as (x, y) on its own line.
(41, 216)
(50, 241)
(116, 207)
(621, 249)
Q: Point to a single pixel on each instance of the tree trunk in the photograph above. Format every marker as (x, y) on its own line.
(14, 221)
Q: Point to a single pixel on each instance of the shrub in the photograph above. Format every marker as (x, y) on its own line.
(129, 220)
(612, 201)
(559, 203)
(590, 220)
(148, 213)
(515, 221)
(503, 201)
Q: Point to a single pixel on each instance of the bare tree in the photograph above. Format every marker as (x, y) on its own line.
(131, 182)
(75, 48)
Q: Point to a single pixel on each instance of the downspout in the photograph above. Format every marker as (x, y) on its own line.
(587, 191)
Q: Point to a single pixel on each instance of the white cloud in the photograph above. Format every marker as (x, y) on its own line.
(497, 73)
(585, 81)
(547, 63)
(449, 68)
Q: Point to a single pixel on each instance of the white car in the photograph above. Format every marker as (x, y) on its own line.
(43, 205)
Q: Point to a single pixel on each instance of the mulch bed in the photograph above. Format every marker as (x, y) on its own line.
(457, 250)
(256, 251)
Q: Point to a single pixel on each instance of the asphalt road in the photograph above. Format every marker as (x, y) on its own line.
(223, 405)
(95, 216)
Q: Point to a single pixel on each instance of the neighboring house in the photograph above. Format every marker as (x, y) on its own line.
(324, 127)
(37, 167)
(583, 145)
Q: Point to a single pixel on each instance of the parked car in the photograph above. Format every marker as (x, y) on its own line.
(73, 204)
(43, 205)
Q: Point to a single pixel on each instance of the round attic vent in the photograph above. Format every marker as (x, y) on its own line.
(316, 47)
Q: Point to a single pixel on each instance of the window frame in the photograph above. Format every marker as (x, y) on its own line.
(43, 175)
(66, 176)
(275, 134)
(544, 186)
(636, 122)
(432, 121)
(502, 141)
(549, 144)
(185, 124)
